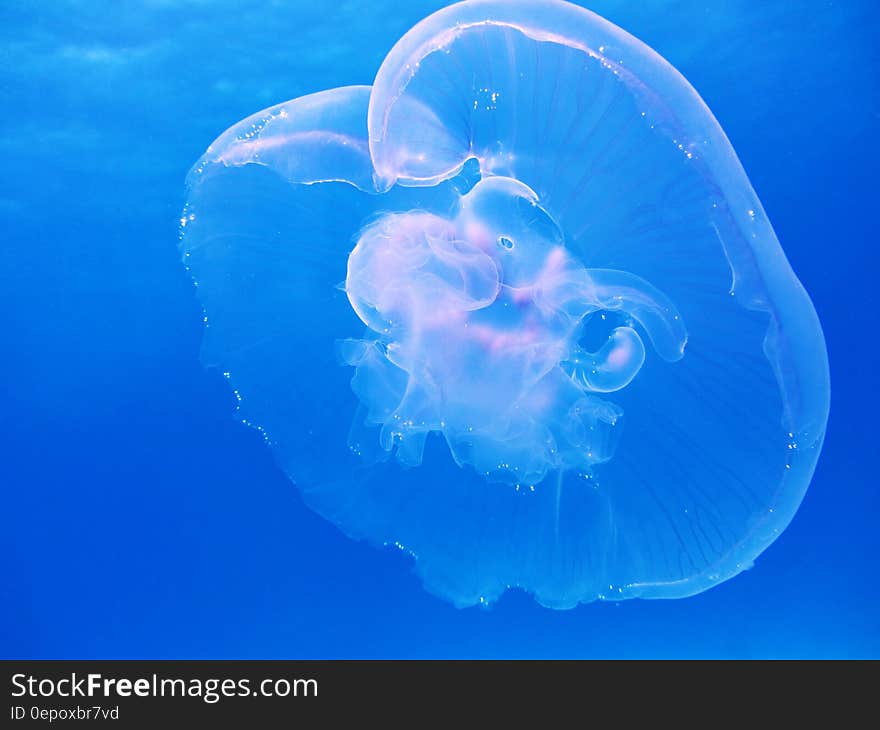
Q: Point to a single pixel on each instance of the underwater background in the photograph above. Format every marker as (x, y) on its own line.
(142, 519)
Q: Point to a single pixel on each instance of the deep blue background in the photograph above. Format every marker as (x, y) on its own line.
(140, 519)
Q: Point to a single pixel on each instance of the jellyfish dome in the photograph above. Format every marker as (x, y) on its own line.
(515, 309)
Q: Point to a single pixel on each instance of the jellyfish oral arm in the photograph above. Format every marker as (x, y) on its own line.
(610, 368)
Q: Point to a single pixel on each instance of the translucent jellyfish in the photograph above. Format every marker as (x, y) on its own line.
(515, 309)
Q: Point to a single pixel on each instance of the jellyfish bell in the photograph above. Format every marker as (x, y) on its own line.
(516, 309)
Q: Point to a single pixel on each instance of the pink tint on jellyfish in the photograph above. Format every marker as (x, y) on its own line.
(480, 314)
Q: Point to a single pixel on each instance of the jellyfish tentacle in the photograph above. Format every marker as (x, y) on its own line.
(622, 291)
(582, 292)
(612, 367)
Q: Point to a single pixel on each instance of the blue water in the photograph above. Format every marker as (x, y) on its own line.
(141, 519)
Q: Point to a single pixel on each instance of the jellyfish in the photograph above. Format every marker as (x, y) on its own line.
(516, 310)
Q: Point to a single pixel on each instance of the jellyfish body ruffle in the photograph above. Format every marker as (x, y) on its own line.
(516, 309)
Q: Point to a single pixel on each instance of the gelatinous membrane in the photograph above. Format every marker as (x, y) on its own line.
(515, 309)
